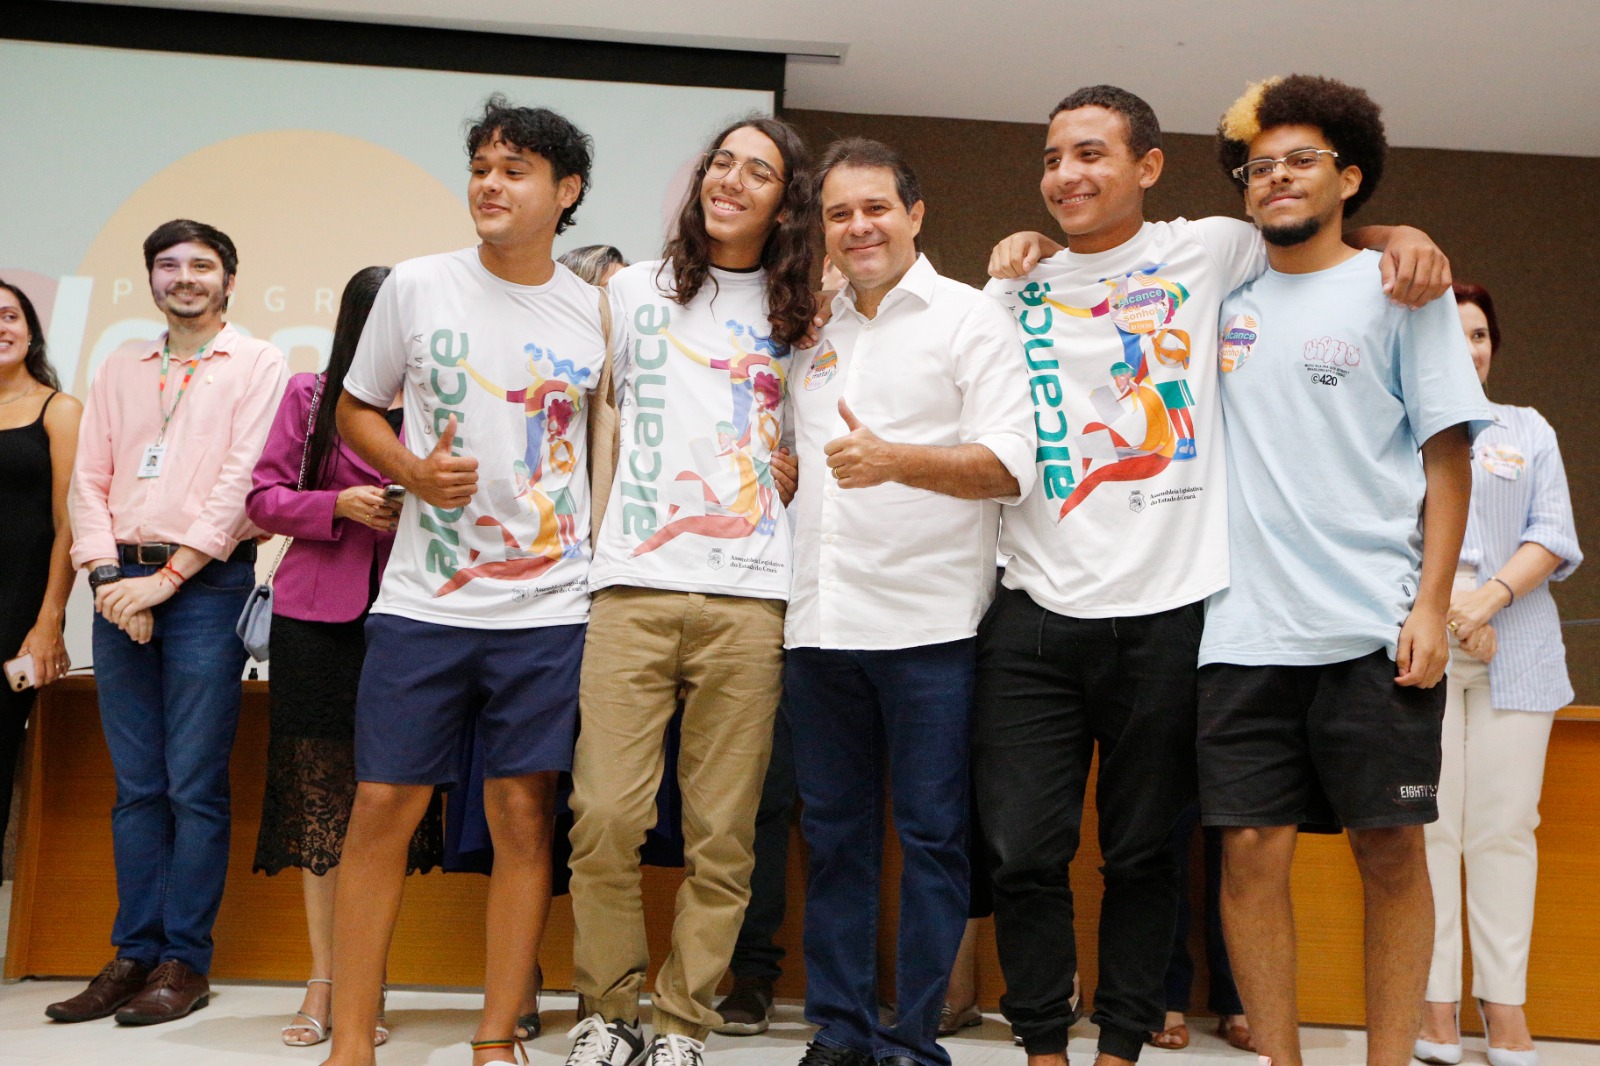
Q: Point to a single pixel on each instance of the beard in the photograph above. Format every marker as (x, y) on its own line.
(214, 305)
(1287, 236)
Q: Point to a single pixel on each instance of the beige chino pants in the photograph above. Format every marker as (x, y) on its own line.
(727, 654)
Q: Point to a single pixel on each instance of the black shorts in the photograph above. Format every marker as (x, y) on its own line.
(1318, 746)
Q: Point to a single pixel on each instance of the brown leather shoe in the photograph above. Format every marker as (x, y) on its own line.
(173, 991)
(120, 981)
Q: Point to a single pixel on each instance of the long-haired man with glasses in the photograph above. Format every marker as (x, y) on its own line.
(690, 580)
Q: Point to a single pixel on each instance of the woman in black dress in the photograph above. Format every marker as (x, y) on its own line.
(310, 486)
(38, 442)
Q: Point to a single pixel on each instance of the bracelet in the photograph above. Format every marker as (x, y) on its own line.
(1509, 590)
(177, 578)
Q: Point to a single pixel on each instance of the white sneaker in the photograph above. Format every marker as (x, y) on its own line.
(597, 1042)
(674, 1049)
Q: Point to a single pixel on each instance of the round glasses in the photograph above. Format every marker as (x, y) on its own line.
(753, 173)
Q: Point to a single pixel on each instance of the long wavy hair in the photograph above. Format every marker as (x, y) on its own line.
(788, 253)
(354, 306)
(35, 362)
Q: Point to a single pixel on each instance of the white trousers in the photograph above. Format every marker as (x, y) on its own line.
(1488, 809)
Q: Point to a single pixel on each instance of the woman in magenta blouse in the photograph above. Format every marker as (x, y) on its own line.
(311, 487)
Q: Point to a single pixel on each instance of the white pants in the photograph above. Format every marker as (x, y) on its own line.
(1489, 789)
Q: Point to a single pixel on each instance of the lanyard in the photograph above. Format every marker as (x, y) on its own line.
(166, 364)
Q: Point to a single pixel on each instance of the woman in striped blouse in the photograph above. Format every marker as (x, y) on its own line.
(1508, 675)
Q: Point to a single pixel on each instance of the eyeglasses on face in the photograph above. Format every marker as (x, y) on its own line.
(1299, 161)
(753, 173)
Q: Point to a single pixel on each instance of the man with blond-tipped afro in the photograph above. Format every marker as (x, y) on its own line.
(1319, 695)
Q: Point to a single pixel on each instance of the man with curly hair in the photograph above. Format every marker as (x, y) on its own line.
(480, 618)
(1319, 695)
(1090, 645)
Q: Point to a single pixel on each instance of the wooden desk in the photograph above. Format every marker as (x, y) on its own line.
(65, 895)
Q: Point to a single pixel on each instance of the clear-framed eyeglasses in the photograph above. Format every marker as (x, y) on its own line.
(1300, 161)
(753, 173)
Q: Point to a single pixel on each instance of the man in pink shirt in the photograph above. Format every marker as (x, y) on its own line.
(171, 433)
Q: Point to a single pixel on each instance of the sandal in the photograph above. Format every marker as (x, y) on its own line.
(1172, 1038)
(319, 1030)
(529, 1025)
(380, 1031)
(1236, 1035)
(507, 1044)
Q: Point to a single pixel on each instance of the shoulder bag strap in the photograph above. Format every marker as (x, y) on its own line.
(305, 458)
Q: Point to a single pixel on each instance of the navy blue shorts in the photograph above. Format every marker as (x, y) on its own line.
(425, 689)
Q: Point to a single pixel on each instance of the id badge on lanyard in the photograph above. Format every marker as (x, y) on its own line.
(155, 455)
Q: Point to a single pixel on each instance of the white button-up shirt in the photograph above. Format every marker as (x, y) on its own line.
(893, 566)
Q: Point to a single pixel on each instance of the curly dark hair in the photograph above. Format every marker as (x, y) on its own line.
(544, 133)
(35, 362)
(788, 253)
(1144, 131)
(1349, 118)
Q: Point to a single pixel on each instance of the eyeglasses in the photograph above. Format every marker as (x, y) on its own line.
(753, 173)
(1301, 161)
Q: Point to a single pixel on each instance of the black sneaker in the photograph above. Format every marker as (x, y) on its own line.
(597, 1042)
(747, 1009)
(673, 1049)
(827, 1055)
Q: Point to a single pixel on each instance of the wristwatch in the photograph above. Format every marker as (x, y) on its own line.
(104, 575)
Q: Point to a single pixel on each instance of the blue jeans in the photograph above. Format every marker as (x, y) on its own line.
(169, 709)
(852, 712)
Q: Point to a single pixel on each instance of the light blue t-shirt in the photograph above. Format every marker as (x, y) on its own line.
(1328, 392)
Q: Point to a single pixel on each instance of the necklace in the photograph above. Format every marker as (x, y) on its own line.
(29, 391)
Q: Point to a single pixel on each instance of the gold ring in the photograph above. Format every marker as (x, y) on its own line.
(836, 473)
(1453, 626)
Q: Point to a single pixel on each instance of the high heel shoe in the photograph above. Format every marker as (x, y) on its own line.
(1440, 1054)
(1499, 1056)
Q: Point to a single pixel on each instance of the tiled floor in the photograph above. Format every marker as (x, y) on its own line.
(241, 1028)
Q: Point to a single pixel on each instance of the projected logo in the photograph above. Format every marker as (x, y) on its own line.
(305, 208)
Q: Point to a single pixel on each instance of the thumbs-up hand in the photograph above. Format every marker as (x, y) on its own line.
(442, 479)
(860, 459)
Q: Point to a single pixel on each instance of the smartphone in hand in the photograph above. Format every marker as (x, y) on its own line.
(20, 673)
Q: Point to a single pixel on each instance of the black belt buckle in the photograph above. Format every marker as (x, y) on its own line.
(159, 554)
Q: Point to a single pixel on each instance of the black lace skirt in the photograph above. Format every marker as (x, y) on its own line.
(311, 773)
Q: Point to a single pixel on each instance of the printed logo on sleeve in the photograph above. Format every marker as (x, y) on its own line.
(1238, 339)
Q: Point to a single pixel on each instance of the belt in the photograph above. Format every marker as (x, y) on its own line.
(161, 554)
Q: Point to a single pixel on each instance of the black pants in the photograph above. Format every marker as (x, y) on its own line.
(755, 955)
(1049, 689)
(14, 710)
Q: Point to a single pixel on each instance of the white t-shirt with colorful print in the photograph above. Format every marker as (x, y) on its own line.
(1130, 513)
(700, 393)
(515, 365)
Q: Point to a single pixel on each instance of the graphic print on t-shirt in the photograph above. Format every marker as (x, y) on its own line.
(1143, 423)
(534, 493)
(729, 492)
